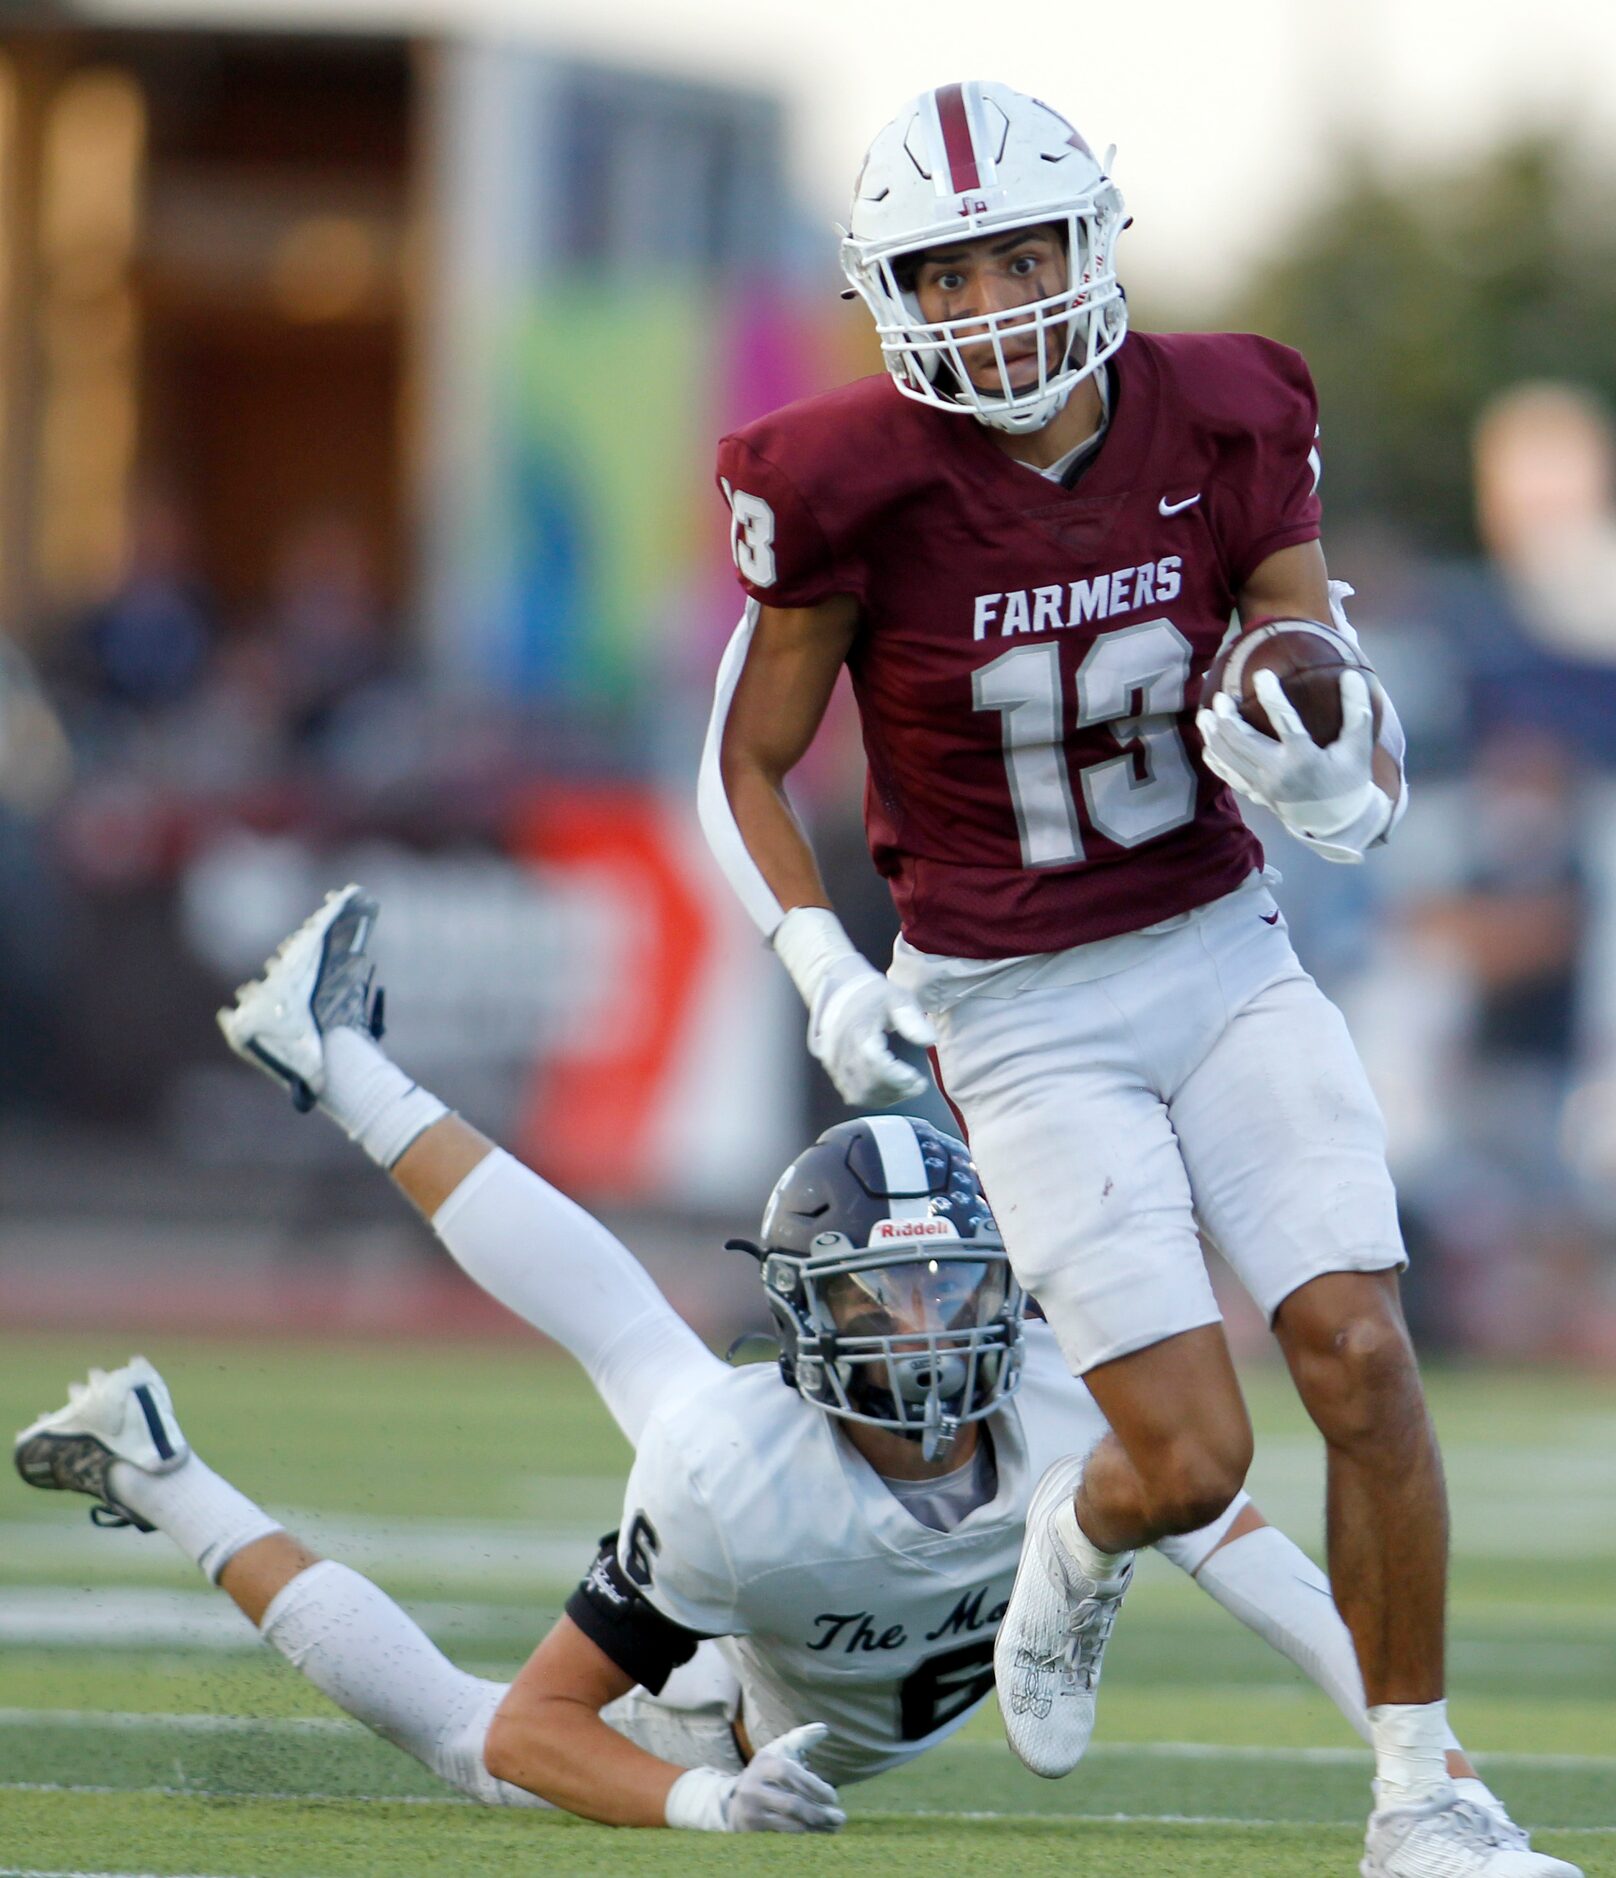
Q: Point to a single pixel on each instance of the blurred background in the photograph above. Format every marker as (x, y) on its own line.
(361, 369)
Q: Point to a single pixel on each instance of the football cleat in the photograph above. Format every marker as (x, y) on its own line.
(117, 1415)
(1452, 1838)
(1046, 1658)
(1505, 1830)
(319, 980)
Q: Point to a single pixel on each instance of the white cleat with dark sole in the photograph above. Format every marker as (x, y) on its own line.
(320, 978)
(116, 1415)
(1046, 1658)
(1453, 1838)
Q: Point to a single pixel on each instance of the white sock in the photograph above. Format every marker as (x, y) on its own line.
(373, 1660)
(371, 1099)
(1411, 1748)
(204, 1515)
(1090, 1560)
(1275, 1589)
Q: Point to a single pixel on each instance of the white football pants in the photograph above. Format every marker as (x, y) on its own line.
(1205, 1079)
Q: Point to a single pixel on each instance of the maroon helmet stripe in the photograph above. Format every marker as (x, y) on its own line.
(957, 145)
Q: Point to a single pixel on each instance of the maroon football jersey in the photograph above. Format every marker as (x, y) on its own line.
(1029, 659)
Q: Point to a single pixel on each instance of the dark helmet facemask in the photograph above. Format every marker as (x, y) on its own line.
(920, 1346)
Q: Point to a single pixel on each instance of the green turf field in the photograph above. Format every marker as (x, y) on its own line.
(142, 1731)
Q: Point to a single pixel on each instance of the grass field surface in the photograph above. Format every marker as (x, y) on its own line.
(144, 1731)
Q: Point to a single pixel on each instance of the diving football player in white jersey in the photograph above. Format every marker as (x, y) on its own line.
(733, 1631)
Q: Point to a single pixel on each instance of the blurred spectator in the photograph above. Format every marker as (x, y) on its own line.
(1544, 638)
(34, 771)
(325, 628)
(146, 646)
(1499, 1203)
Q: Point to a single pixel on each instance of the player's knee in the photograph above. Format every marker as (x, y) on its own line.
(1196, 1482)
(1363, 1380)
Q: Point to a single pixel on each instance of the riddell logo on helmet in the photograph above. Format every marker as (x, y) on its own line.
(887, 1230)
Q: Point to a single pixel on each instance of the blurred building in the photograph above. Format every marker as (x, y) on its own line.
(359, 395)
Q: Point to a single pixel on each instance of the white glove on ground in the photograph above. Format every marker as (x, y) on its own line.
(775, 1792)
(851, 1007)
(1326, 794)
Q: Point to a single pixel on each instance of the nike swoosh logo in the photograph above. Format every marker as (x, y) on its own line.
(1269, 919)
(1176, 508)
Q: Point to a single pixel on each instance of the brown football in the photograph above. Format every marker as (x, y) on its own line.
(1308, 658)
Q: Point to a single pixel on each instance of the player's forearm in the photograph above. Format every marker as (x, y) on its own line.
(772, 836)
(561, 1750)
(774, 683)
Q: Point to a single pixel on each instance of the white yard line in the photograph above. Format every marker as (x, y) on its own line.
(858, 1818)
(518, 1552)
(1325, 1757)
(1172, 1819)
(203, 1723)
(134, 1617)
(235, 1793)
(185, 1724)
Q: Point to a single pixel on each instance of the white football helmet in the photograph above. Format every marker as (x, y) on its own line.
(968, 160)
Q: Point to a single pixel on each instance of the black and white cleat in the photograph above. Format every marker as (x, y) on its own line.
(320, 979)
(115, 1415)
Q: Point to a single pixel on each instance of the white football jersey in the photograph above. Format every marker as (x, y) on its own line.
(750, 1517)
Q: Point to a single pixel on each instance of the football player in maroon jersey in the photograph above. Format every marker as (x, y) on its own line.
(1023, 541)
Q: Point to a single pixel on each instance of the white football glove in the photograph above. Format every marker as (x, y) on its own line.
(851, 1007)
(774, 1792)
(1325, 794)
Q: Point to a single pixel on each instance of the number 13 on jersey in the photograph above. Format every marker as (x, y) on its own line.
(1133, 682)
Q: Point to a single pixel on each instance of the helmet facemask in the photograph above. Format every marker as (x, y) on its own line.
(917, 1341)
(1075, 330)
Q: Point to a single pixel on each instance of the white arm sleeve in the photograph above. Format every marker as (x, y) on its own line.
(1390, 736)
(712, 800)
(543, 1257)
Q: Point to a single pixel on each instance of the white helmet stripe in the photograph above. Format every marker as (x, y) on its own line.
(901, 1164)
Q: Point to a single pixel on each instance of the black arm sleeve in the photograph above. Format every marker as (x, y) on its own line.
(611, 1611)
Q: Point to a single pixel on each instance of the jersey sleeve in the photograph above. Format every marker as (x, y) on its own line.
(785, 553)
(609, 1608)
(1271, 486)
(669, 1546)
